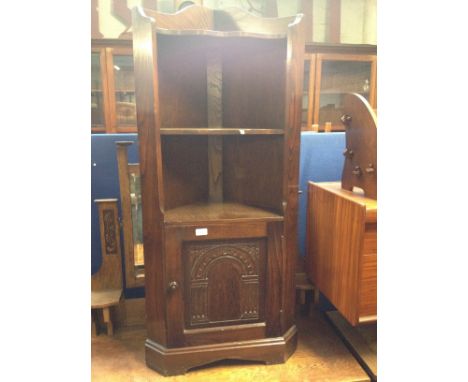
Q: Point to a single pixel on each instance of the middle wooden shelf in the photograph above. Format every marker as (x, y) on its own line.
(217, 212)
(218, 131)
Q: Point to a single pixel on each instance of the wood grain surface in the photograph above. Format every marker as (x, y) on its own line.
(252, 171)
(185, 170)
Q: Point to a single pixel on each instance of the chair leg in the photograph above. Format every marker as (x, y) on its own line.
(108, 321)
(94, 323)
(316, 295)
(302, 296)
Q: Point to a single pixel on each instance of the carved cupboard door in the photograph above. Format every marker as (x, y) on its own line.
(216, 283)
(223, 281)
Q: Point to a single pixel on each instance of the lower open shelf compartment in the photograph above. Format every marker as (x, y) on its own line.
(213, 212)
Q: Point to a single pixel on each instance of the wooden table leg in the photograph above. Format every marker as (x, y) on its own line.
(108, 321)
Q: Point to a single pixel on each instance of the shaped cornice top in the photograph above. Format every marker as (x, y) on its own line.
(229, 22)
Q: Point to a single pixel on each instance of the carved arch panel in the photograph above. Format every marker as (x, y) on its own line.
(224, 282)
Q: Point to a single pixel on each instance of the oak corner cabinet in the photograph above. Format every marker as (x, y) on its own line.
(218, 97)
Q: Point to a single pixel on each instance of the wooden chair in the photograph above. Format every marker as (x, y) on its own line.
(304, 288)
(106, 283)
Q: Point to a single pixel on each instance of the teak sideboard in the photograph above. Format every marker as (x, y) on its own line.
(218, 96)
(341, 255)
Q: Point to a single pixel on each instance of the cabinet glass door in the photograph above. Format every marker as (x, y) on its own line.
(305, 94)
(124, 90)
(336, 77)
(97, 97)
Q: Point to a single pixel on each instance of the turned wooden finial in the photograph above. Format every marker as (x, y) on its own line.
(357, 171)
(348, 153)
(345, 119)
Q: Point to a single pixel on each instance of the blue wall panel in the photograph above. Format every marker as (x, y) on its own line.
(321, 160)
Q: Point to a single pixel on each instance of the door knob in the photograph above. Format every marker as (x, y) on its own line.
(173, 285)
(346, 119)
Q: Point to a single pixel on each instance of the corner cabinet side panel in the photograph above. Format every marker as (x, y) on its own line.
(293, 107)
(152, 196)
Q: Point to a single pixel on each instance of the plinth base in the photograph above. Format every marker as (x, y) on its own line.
(176, 361)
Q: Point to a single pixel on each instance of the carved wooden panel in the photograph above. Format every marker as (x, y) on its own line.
(109, 274)
(110, 240)
(224, 282)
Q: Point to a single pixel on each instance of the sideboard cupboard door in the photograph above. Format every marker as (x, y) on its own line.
(217, 279)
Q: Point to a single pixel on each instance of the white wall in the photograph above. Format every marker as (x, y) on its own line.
(359, 21)
(358, 17)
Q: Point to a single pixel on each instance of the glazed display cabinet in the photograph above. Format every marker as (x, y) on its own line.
(113, 107)
(331, 71)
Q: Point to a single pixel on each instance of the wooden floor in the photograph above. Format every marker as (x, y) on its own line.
(361, 340)
(320, 356)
